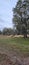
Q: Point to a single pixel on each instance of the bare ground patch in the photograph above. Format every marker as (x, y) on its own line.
(11, 58)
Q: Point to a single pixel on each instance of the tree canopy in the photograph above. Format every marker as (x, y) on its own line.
(21, 15)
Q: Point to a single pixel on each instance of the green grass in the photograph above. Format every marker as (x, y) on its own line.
(15, 44)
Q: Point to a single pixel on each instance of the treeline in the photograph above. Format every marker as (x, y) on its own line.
(10, 31)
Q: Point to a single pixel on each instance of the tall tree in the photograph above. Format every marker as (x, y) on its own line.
(21, 16)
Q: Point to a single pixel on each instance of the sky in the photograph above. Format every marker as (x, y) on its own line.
(6, 13)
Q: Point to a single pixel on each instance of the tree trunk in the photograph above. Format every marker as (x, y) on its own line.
(25, 35)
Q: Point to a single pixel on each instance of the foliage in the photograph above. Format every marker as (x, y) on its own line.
(9, 31)
(21, 15)
(0, 32)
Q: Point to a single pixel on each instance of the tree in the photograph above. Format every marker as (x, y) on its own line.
(21, 16)
(8, 31)
(24, 31)
(0, 32)
(5, 31)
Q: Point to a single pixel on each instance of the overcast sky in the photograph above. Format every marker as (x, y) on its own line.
(6, 13)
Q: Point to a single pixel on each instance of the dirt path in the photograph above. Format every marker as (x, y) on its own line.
(11, 58)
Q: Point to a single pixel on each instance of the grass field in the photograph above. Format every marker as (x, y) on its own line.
(14, 47)
(14, 44)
